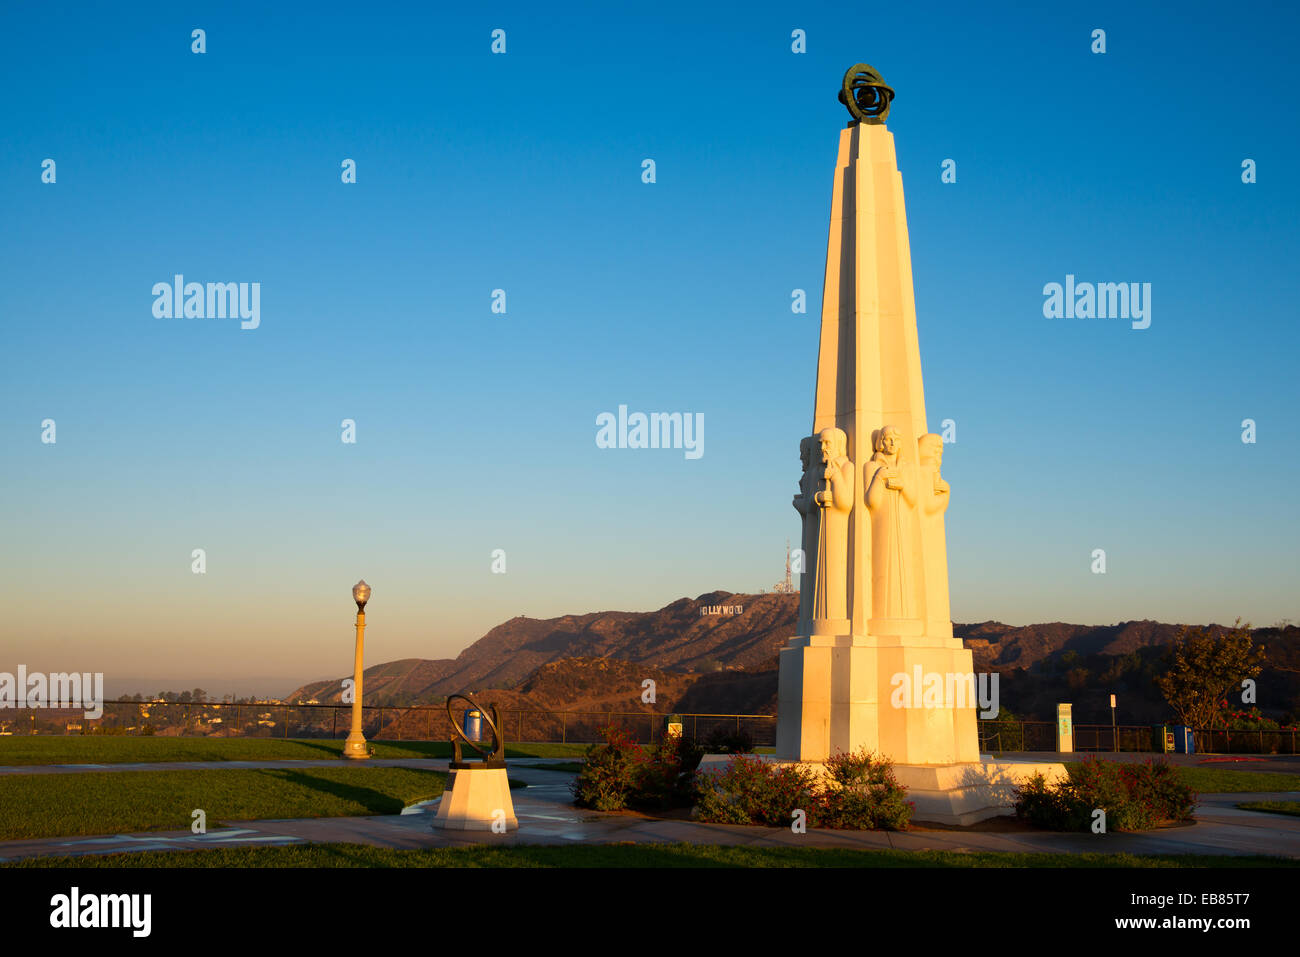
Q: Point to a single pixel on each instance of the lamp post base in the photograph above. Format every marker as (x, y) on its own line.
(355, 747)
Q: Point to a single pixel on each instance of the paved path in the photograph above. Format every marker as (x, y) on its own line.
(546, 817)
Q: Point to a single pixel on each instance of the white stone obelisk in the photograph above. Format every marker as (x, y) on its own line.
(875, 665)
(838, 677)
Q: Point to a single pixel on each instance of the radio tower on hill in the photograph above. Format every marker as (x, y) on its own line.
(785, 587)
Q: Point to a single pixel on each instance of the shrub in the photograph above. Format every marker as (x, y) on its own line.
(1251, 720)
(1006, 732)
(608, 773)
(1157, 785)
(622, 774)
(1106, 785)
(862, 794)
(1050, 806)
(664, 774)
(858, 791)
(724, 741)
(1134, 796)
(752, 791)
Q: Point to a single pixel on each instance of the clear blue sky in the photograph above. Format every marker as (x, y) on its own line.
(522, 171)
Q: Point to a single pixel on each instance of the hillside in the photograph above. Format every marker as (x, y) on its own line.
(710, 663)
(677, 637)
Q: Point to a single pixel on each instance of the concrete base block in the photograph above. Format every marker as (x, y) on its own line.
(475, 799)
(967, 793)
(846, 692)
(958, 794)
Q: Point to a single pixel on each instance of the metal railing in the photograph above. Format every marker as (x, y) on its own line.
(1002, 736)
(428, 723)
(378, 722)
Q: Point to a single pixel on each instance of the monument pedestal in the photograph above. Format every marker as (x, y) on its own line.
(476, 798)
(839, 694)
(826, 697)
(969, 792)
(844, 693)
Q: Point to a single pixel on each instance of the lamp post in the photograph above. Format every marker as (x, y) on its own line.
(355, 746)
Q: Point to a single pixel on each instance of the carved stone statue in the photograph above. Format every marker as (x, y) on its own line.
(834, 501)
(807, 508)
(891, 500)
(934, 502)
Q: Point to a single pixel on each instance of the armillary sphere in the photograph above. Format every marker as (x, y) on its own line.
(496, 758)
(866, 94)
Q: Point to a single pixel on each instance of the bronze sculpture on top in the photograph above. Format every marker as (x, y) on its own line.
(866, 94)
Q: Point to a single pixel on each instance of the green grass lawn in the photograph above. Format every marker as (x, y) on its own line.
(118, 802)
(570, 767)
(1276, 807)
(123, 749)
(1214, 781)
(626, 855)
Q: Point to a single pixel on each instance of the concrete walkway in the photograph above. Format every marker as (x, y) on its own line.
(546, 817)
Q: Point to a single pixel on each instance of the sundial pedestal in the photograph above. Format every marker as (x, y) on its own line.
(477, 797)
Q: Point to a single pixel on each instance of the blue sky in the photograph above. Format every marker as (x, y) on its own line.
(522, 172)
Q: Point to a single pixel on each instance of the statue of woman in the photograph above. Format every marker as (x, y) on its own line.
(891, 498)
(834, 501)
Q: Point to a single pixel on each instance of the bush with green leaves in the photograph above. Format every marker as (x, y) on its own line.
(723, 740)
(664, 776)
(1156, 787)
(750, 790)
(856, 791)
(861, 793)
(609, 772)
(1050, 806)
(1135, 797)
(623, 774)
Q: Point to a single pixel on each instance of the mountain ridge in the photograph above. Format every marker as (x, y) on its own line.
(553, 663)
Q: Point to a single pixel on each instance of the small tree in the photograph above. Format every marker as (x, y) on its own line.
(1205, 667)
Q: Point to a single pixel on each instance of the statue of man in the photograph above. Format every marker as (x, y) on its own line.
(807, 509)
(834, 501)
(934, 502)
(891, 497)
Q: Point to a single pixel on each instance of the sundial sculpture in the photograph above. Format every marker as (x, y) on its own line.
(874, 596)
(477, 797)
